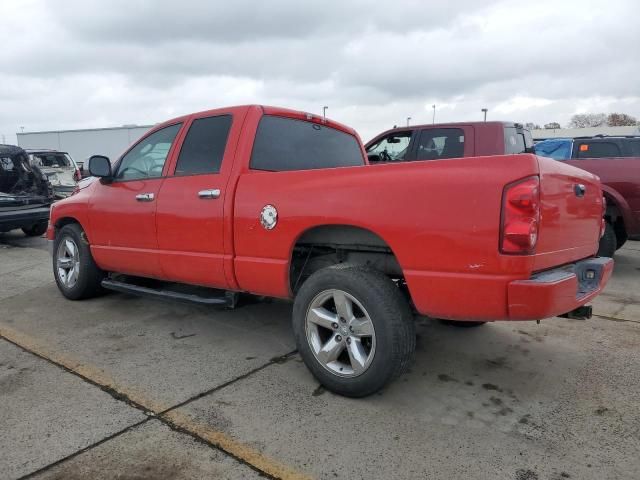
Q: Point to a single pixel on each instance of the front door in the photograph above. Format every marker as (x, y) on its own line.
(190, 208)
(122, 213)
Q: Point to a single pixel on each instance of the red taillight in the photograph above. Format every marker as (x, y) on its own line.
(520, 216)
(77, 175)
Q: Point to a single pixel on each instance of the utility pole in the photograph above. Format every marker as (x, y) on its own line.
(433, 120)
(324, 113)
(408, 120)
(484, 110)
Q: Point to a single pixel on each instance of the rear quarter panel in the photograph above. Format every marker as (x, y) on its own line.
(441, 219)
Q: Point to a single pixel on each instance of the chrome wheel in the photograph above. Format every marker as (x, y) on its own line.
(68, 262)
(340, 333)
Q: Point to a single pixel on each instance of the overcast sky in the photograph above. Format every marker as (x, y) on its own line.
(81, 64)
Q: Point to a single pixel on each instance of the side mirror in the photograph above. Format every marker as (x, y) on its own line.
(373, 157)
(100, 166)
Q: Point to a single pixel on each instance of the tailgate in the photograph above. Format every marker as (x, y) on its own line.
(571, 214)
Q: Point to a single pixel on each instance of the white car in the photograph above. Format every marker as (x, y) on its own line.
(61, 171)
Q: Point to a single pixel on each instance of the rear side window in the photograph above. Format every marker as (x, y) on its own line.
(204, 146)
(283, 144)
(597, 150)
(438, 143)
(514, 141)
(634, 146)
(51, 159)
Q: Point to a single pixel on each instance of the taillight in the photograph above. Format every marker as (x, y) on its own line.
(603, 223)
(77, 175)
(520, 216)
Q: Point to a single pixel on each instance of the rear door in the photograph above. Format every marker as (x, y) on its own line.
(190, 210)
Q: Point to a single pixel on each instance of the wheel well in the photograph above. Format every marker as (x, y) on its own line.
(327, 245)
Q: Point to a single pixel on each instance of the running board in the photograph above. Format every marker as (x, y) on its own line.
(227, 299)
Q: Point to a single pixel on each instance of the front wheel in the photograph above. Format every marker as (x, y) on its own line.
(353, 328)
(76, 274)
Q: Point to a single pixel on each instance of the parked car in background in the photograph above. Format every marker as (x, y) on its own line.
(25, 193)
(62, 172)
(616, 160)
(281, 203)
(449, 140)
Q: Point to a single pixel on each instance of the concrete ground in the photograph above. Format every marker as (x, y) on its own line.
(126, 387)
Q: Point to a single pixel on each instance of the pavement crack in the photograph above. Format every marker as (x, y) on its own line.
(275, 360)
(83, 450)
(616, 319)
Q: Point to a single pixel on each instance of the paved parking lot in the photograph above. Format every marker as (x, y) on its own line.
(126, 387)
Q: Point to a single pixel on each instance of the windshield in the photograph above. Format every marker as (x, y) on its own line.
(50, 159)
(556, 149)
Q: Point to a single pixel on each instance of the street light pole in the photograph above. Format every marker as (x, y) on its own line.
(324, 112)
(433, 120)
(484, 110)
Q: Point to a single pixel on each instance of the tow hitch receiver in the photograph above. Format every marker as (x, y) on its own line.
(581, 313)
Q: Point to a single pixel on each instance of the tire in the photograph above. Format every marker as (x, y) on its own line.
(76, 275)
(462, 323)
(36, 230)
(377, 306)
(608, 242)
(621, 234)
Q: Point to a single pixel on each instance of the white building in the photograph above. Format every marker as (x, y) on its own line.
(584, 132)
(81, 144)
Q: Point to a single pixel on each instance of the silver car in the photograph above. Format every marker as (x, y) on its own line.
(61, 171)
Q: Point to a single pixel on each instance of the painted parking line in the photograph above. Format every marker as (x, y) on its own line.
(166, 413)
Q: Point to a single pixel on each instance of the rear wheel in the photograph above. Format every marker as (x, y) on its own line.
(608, 242)
(353, 328)
(76, 274)
(36, 230)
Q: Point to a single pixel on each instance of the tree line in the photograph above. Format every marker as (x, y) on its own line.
(584, 120)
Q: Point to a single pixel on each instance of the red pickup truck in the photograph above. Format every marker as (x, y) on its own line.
(282, 203)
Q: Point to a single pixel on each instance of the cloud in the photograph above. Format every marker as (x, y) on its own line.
(85, 63)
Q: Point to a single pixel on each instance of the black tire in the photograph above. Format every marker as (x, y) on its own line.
(462, 323)
(389, 312)
(36, 230)
(608, 242)
(621, 234)
(89, 276)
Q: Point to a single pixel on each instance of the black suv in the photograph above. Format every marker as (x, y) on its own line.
(25, 193)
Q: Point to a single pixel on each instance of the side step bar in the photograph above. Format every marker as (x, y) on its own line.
(228, 299)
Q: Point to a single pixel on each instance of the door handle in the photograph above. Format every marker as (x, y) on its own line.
(211, 193)
(145, 197)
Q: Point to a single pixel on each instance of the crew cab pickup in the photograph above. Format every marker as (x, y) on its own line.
(281, 203)
(616, 160)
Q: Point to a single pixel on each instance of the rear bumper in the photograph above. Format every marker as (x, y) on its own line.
(12, 219)
(558, 291)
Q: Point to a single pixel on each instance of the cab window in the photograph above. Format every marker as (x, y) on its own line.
(147, 158)
(440, 143)
(392, 148)
(204, 146)
(597, 149)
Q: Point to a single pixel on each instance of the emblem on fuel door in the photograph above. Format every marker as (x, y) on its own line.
(269, 217)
